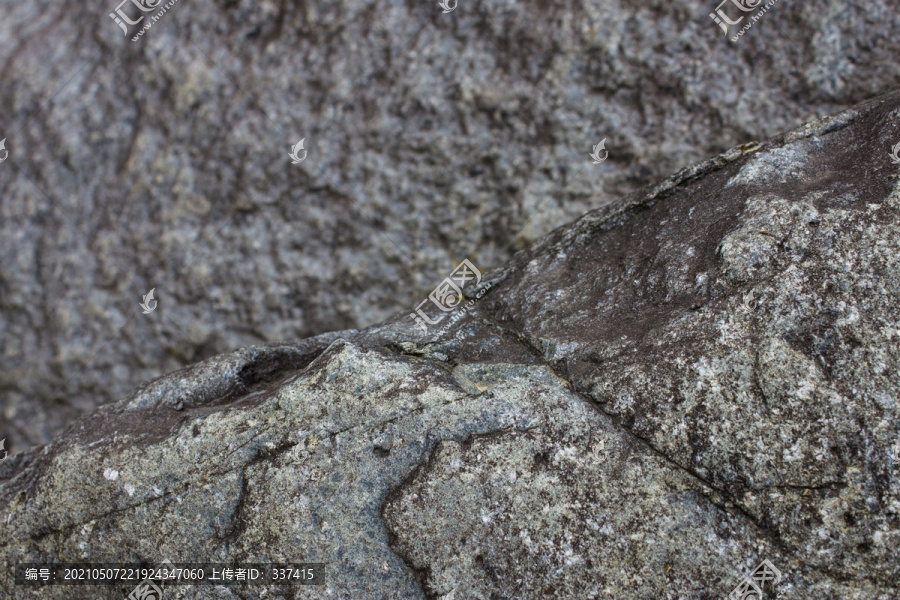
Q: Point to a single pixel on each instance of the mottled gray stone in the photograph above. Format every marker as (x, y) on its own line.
(647, 403)
(432, 137)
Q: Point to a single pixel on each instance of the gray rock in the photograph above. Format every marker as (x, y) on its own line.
(649, 402)
(432, 137)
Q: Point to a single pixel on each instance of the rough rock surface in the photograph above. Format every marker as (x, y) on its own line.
(646, 404)
(432, 137)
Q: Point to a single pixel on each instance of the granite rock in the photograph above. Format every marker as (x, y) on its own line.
(648, 402)
(432, 137)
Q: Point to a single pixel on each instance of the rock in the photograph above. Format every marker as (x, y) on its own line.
(431, 137)
(649, 402)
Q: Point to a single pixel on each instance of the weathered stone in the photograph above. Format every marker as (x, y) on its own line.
(432, 137)
(647, 403)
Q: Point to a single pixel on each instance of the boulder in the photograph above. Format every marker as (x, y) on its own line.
(431, 137)
(651, 401)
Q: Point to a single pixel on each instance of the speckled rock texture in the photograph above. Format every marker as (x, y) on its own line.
(647, 403)
(432, 137)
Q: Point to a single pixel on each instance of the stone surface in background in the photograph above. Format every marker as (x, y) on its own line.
(431, 138)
